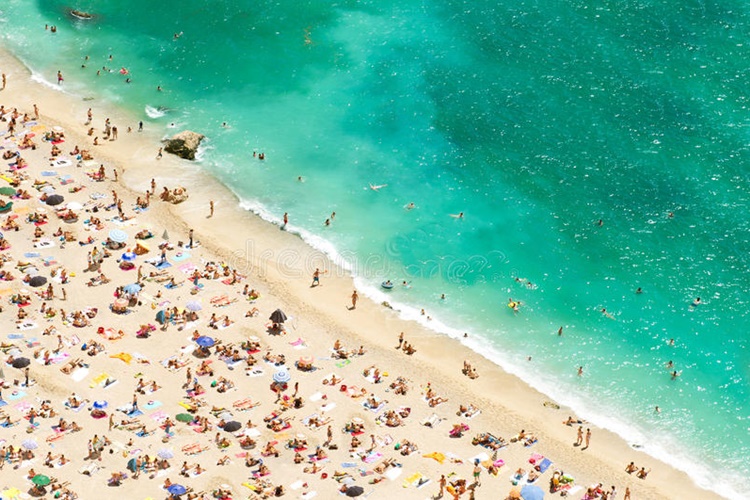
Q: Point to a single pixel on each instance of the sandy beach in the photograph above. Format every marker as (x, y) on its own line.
(389, 422)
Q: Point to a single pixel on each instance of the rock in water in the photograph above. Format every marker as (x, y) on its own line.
(184, 144)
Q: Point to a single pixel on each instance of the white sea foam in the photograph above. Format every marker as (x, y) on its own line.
(155, 113)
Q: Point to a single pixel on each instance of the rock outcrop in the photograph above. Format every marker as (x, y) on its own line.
(184, 144)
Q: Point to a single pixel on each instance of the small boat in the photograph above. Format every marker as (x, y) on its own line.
(388, 284)
(79, 14)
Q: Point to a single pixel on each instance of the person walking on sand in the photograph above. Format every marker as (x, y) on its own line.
(477, 472)
(5, 80)
(588, 438)
(159, 154)
(316, 278)
(36, 111)
(354, 299)
(190, 239)
(211, 208)
(579, 440)
(442, 484)
(400, 340)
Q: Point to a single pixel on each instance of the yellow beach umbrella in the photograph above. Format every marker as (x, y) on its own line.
(10, 493)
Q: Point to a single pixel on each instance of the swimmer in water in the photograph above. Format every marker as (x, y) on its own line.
(639, 290)
(377, 187)
(604, 312)
(459, 215)
(696, 302)
(513, 304)
(177, 35)
(410, 206)
(676, 374)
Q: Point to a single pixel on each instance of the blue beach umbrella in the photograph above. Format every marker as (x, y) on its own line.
(118, 236)
(282, 376)
(177, 490)
(132, 288)
(160, 317)
(532, 492)
(100, 405)
(128, 256)
(205, 341)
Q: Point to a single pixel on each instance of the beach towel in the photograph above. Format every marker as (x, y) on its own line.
(544, 465)
(127, 358)
(343, 363)
(256, 372)
(151, 405)
(16, 395)
(412, 480)
(393, 473)
(180, 256)
(437, 456)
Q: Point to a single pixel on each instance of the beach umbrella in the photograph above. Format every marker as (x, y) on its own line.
(54, 200)
(160, 317)
(21, 363)
(165, 454)
(514, 493)
(177, 490)
(184, 417)
(121, 304)
(165, 235)
(7, 191)
(128, 256)
(40, 480)
(100, 405)
(37, 281)
(282, 376)
(118, 236)
(131, 465)
(532, 492)
(30, 444)
(48, 189)
(132, 288)
(232, 426)
(10, 494)
(306, 360)
(74, 205)
(205, 341)
(278, 316)
(354, 491)
(193, 306)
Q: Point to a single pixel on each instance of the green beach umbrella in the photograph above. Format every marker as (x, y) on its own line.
(40, 480)
(7, 191)
(184, 417)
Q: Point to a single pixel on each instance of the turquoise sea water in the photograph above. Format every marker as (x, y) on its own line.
(534, 119)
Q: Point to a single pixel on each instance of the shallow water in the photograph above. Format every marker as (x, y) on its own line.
(534, 120)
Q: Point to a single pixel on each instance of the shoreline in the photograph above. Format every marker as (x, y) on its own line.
(280, 264)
